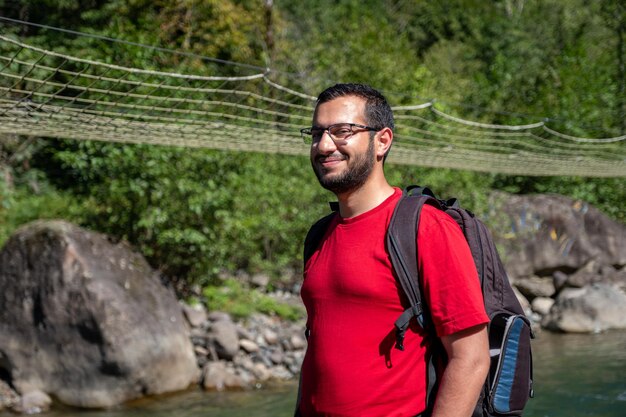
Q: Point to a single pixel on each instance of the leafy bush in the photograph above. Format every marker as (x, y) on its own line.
(194, 212)
(240, 301)
(22, 204)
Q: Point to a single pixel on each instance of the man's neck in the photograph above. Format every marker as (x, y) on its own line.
(365, 198)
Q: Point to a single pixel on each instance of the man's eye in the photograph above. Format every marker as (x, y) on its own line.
(341, 132)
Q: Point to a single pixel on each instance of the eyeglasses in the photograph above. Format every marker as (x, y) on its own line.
(337, 132)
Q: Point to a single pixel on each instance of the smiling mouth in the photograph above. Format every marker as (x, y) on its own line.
(330, 159)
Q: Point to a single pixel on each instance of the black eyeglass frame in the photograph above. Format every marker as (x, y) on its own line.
(309, 138)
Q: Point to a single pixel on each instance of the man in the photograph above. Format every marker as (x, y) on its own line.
(350, 293)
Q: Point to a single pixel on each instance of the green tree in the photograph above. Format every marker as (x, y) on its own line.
(196, 213)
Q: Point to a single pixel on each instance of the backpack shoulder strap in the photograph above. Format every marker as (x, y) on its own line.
(316, 233)
(402, 246)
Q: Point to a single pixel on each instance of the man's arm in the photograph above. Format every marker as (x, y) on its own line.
(465, 373)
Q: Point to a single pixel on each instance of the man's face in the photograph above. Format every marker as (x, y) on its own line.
(347, 164)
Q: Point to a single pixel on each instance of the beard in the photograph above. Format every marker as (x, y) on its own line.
(359, 167)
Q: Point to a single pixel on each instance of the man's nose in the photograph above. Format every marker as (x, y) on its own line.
(326, 144)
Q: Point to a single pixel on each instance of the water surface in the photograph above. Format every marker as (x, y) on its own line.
(575, 375)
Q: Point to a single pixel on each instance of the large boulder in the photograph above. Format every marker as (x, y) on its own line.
(547, 233)
(87, 321)
(590, 309)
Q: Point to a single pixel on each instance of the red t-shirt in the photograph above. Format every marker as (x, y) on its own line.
(351, 367)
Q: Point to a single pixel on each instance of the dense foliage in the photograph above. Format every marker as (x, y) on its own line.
(198, 213)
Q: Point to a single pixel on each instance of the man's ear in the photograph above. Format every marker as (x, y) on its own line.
(384, 139)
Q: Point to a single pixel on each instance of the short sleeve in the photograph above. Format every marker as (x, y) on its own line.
(449, 279)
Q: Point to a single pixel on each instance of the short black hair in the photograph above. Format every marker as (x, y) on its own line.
(377, 111)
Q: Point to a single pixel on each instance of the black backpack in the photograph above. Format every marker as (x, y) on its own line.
(509, 382)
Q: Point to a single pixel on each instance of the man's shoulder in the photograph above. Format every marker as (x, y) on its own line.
(432, 215)
(436, 224)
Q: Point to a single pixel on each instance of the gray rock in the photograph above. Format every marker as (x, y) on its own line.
(217, 376)
(260, 340)
(261, 372)
(587, 274)
(219, 316)
(594, 272)
(617, 277)
(594, 308)
(277, 357)
(260, 280)
(202, 355)
(280, 372)
(542, 305)
(270, 337)
(248, 345)
(200, 351)
(198, 337)
(196, 315)
(247, 377)
(244, 362)
(33, 402)
(101, 326)
(297, 342)
(534, 317)
(244, 333)
(551, 232)
(533, 287)
(559, 279)
(8, 397)
(225, 339)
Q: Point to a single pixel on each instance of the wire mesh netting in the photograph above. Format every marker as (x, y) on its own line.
(46, 93)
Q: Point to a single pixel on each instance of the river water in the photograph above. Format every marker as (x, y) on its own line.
(575, 375)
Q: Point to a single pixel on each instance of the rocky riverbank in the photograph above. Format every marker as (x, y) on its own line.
(241, 354)
(244, 353)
